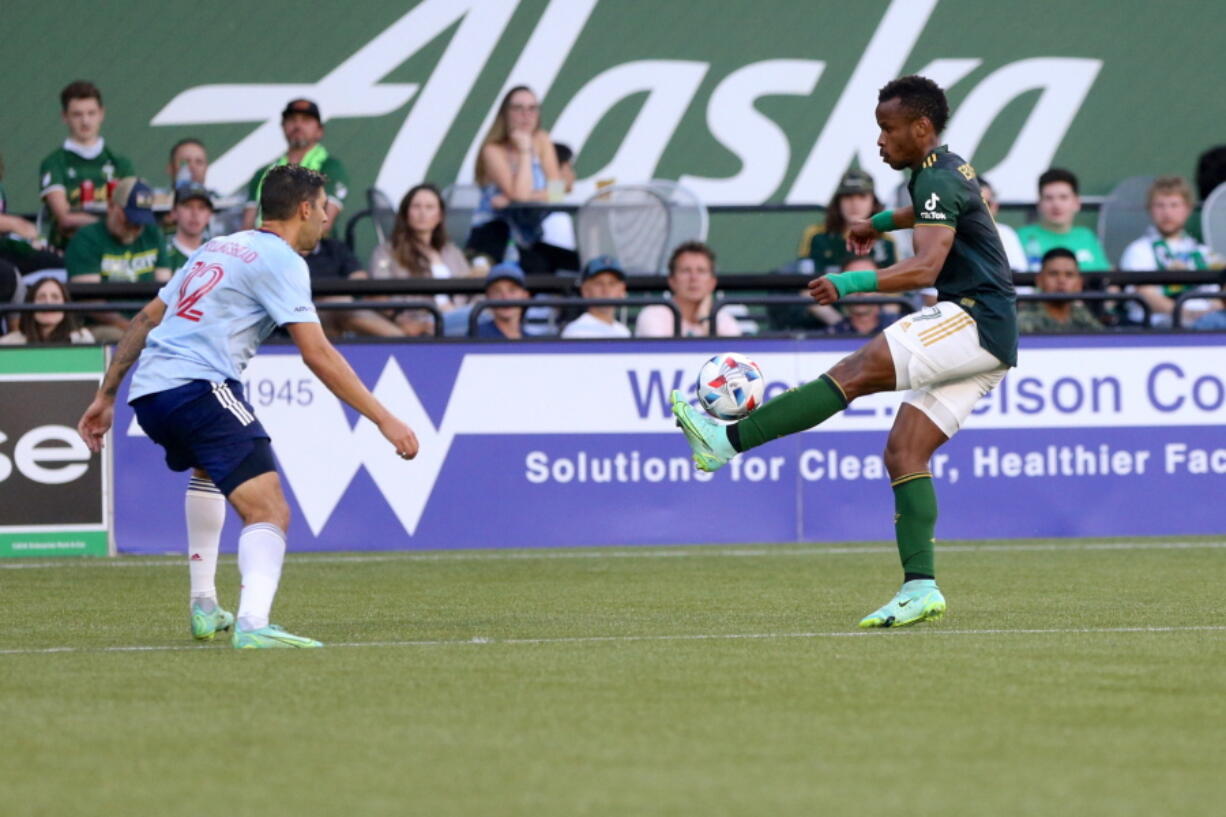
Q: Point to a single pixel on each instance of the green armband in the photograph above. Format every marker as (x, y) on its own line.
(883, 222)
(860, 280)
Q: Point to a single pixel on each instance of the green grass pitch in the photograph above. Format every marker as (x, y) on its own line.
(1076, 678)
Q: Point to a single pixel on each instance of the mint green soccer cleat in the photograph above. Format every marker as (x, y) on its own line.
(918, 600)
(206, 625)
(270, 637)
(707, 438)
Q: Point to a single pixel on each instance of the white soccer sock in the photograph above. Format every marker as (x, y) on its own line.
(261, 550)
(205, 509)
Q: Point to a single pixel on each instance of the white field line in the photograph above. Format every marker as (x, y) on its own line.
(692, 551)
(923, 632)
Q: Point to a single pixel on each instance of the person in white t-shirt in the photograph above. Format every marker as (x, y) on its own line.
(602, 277)
(691, 280)
(1167, 246)
(1008, 236)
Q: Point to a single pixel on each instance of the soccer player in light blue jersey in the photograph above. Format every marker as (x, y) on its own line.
(197, 336)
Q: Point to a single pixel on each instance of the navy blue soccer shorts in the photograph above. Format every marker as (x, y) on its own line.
(208, 426)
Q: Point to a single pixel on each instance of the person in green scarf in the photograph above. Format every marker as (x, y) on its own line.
(304, 130)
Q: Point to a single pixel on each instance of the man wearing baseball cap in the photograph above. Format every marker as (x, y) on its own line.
(602, 277)
(128, 246)
(192, 212)
(505, 282)
(303, 127)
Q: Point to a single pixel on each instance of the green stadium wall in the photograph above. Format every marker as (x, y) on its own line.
(748, 102)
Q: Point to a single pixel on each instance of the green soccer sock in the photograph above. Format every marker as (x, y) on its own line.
(915, 519)
(794, 410)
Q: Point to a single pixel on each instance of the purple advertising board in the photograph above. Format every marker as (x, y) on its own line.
(562, 444)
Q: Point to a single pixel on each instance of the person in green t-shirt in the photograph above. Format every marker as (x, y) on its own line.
(945, 357)
(1058, 275)
(303, 127)
(1059, 203)
(127, 247)
(193, 209)
(78, 171)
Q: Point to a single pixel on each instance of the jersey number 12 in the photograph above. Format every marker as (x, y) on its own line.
(196, 284)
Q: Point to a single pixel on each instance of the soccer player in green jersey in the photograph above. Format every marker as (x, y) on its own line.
(944, 357)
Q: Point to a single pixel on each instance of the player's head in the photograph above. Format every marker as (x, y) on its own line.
(1059, 272)
(82, 111)
(911, 112)
(295, 197)
(1059, 198)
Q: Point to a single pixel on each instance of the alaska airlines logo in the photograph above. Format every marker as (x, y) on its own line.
(668, 89)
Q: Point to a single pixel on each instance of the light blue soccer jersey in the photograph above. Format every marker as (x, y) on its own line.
(229, 296)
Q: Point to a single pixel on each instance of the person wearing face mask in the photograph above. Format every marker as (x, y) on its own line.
(302, 124)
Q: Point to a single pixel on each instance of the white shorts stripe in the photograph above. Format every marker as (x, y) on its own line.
(231, 403)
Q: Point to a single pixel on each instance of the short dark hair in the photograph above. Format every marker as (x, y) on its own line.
(285, 187)
(690, 246)
(80, 89)
(1058, 252)
(1210, 170)
(191, 140)
(1059, 174)
(919, 96)
(563, 152)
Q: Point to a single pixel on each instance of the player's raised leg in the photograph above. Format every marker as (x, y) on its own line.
(912, 442)
(867, 370)
(261, 552)
(205, 509)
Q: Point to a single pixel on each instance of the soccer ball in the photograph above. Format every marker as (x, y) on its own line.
(730, 386)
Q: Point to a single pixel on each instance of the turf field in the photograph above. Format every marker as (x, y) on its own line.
(1084, 678)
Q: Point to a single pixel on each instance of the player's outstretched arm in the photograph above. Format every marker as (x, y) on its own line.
(932, 245)
(331, 367)
(96, 420)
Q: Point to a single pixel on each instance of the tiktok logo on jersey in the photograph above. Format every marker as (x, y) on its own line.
(196, 284)
(930, 208)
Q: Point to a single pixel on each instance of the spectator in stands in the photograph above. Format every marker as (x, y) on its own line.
(1058, 274)
(303, 127)
(78, 172)
(860, 318)
(558, 229)
(127, 247)
(420, 248)
(1167, 246)
(1059, 203)
(602, 277)
(1008, 236)
(332, 260)
(505, 282)
(518, 164)
(189, 162)
(20, 244)
(47, 327)
(691, 280)
(1210, 174)
(825, 245)
(192, 211)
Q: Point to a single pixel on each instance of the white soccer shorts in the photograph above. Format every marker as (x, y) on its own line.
(939, 362)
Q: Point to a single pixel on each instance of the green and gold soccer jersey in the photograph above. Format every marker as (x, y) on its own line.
(66, 170)
(93, 250)
(975, 276)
